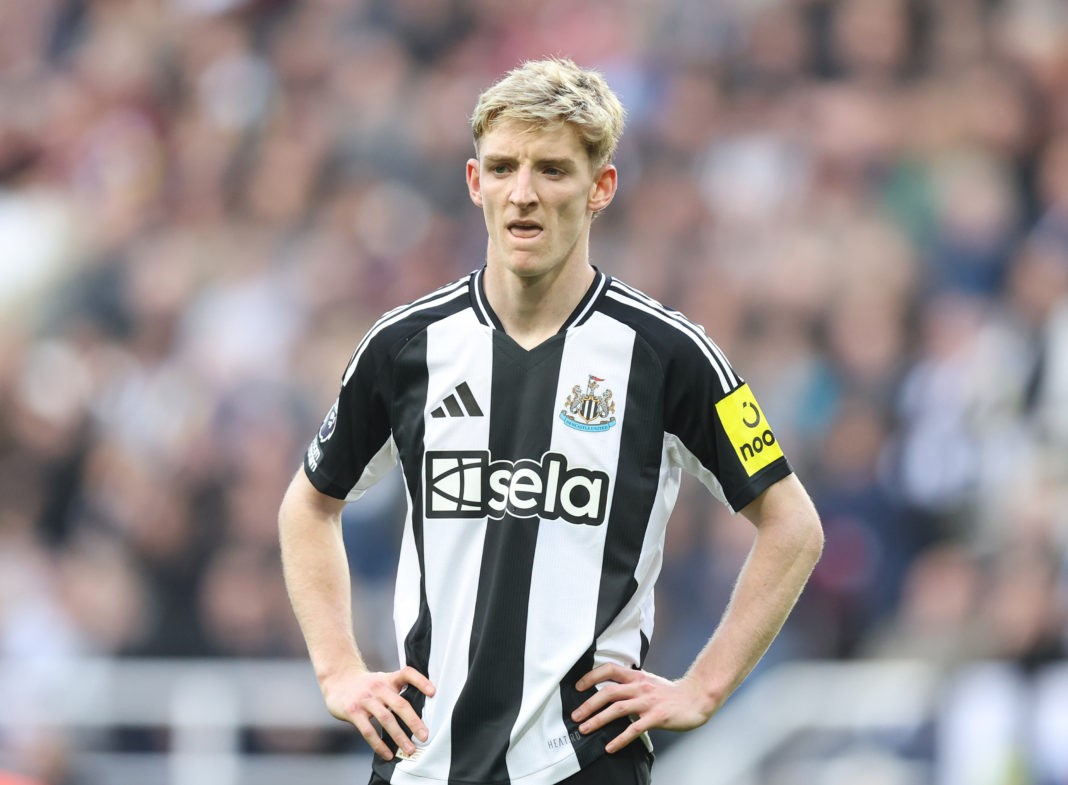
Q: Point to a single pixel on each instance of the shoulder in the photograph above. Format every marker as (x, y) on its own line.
(648, 316)
(671, 335)
(395, 328)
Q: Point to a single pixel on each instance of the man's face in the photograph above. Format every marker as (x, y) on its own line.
(538, 191)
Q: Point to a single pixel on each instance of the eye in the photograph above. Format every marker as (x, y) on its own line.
(552, 171)
(499, 169)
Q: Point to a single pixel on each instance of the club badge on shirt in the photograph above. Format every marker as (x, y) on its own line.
(590, 410)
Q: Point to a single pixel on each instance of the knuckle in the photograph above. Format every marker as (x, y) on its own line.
(381, 714)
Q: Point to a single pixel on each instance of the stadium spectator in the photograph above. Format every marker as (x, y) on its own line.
(864, 201)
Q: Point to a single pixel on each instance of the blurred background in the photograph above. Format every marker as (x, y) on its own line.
(205, 203)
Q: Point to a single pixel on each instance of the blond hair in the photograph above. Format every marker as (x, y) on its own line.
(545, 93)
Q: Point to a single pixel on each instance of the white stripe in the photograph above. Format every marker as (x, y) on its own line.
(667, 320)
(478, 298)
(376, 468)
(590, 304)
(568, 559)
(396, 315)
(455, 347)
(622, 637)
(403, 309)
(432, 295)
(678, 454)
(681, 319)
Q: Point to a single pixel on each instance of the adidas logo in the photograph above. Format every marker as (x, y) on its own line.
(450, 407)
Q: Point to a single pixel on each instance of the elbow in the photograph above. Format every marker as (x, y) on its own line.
(813, 537)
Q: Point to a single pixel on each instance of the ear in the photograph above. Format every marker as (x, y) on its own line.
(603, 189)
(474, 181)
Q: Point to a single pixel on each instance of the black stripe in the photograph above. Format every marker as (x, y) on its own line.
(452, 406)
(438, 413)
(685, 325)
(595, 289)
(483, 310)
(571, 699)
(412, 308)
(487, 315)
(637, 479)
(489, 703)
(469, 400)
(409, 402)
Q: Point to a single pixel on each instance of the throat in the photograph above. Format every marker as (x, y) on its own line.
(533, 337)
(531, 323)
(533, 311)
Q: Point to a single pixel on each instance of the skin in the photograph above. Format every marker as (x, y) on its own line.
(317, 579)
(539, 192)
(787, 546)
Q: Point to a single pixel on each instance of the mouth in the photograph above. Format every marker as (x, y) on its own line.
(524, 229)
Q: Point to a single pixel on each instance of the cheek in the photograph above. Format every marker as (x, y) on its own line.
(573, 211)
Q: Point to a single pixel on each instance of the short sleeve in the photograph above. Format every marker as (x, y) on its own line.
(354, 448)
(716, 429)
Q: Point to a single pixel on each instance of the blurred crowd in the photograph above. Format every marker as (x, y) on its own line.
(205, 203)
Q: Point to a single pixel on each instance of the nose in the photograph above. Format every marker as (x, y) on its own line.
(523, 193)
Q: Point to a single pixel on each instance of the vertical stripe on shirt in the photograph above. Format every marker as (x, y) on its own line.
(523, 390)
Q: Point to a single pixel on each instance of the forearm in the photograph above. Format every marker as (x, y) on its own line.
(787, 547)
(788, 544)
(317, 580)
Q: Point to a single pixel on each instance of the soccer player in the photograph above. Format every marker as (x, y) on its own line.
(541, 413)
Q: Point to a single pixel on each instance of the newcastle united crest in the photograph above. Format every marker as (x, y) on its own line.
(591, 410)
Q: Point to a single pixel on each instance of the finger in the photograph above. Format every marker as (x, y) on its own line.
(409, 675)
(598, 701)
(610, 714)
(607, 672)
(389, 724)
(370, 735)
(633, 731)
(403, 709)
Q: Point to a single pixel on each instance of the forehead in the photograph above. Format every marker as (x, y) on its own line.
(515, 139)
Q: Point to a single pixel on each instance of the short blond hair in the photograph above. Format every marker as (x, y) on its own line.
(545, 93)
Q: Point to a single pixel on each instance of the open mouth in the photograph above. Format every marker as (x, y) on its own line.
(524, 229)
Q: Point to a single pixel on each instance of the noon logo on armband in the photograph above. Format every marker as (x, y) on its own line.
(749, 433)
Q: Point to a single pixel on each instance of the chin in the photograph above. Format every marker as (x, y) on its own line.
(525, 266)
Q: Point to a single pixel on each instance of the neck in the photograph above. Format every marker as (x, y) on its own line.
(534, 309)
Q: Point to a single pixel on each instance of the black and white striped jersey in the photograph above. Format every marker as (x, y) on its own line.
(539, 485)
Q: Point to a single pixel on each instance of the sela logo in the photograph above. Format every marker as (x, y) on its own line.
(752, 438)
(470, 484)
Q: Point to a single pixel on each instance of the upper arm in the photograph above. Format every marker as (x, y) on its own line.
(715, 416)
(353, 448)
(304, 499)
(787, 503)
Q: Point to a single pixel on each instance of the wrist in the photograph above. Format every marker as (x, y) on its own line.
(328, 671)
(708, 697)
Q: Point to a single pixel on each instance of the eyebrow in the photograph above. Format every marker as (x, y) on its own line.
(559, 163)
